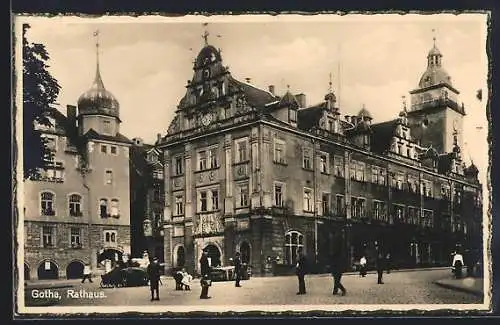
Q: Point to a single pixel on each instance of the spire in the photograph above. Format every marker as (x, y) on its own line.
(205, 34)
(97, 80)
(330, 90)
(434, 36)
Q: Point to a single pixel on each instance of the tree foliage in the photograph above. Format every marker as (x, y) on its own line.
(40, 90)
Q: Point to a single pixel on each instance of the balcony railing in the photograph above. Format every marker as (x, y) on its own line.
(440, 102)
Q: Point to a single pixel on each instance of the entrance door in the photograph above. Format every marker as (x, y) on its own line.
(214, 255)
(245, 252)
(74, 270)
(181, 256)
(48, 270)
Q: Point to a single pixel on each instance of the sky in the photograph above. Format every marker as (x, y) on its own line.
(374, 60)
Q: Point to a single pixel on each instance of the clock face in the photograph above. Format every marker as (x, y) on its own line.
(206, 119)
(206, 73)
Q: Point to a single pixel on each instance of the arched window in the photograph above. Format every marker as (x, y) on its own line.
(115, 210)
(75, 201)
(294, 241)
(47, 204)
(103, 208)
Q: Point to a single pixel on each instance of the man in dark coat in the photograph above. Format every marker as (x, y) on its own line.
(380, 261)
(237, 269)
(154, 278)
(301, 272)
(205, 275)
(337, 268)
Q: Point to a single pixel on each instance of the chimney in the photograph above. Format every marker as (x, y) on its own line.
(271, 89)
(71, 114)
(158, 138)
(248, 80)
(301, 99)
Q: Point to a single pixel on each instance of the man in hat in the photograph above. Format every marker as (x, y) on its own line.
(154, 278)
(237, 269)
(205, 275)
(301, 270)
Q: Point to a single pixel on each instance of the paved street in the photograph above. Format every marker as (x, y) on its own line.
(415, 287)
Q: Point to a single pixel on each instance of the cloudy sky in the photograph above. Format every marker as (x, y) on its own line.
(146, 62)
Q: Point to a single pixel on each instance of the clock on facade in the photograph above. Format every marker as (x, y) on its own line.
(206, 119)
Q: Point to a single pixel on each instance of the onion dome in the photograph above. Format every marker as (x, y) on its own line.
(435, 74)
(98, 100)
(364, 113)
(472, 170)
(207, 55)
(330, 97)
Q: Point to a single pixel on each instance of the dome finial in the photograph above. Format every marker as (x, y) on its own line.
(98, 79)
(434, 36)
(330, 84)
(205, 34)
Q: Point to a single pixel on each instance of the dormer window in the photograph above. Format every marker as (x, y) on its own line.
(292, 115)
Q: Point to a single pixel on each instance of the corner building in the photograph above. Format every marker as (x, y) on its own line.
(250, 171)
(77, 210)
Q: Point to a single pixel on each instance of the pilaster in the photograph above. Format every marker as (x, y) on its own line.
(228, 199)
(188, 172)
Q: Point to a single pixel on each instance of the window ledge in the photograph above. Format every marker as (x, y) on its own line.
(282, 163)
(307, 169)
(206, 170)
(243, 162)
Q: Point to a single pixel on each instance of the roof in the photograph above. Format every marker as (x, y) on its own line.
(92, 134)
(365, 113)
(255, 96)
(434, 51)
(382, 135)
(289, 99)
(309, 117)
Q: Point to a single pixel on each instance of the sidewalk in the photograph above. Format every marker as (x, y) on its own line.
(392, 271)
(63, 283)
(469, 285)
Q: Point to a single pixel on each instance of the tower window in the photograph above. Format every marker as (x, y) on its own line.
(106, 127)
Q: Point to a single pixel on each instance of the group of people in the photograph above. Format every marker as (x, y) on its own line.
(338, 267)
(183, 278)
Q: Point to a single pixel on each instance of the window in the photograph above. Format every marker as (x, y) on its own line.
(106, 127)
(203, 201)
(214, 163)
(157, 193)
(428, 219)
(292, 115)
(47, 204)
(179, 206)
(426, 188)
(241, 151)
(279, 193)
(307, 158)
(445, 191)
(109, 177)
(75, 237)
(399, 212)
(308, 201)
(50, 143)
(379, 210)
(242, 199)
(75, 202)
(382, 176)
(179, 170)
(104, 148)
(103, 208)
(325, 203)
(324, 163)
(158, 174)
(360, 171)
(114, 150)
(115, 208)
(375, 174)
(110, 237)
(215, 200)
(413, 215)
(202, 160)
(48, 236)
(158, 219)
(330, 126)
(294, 241)
(357, 207)
(399, 181)
(400, 149)
(279, 151)
(338, 165)
(339, 205)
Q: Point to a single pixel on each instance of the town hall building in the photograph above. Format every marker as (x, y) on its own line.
(247, 170)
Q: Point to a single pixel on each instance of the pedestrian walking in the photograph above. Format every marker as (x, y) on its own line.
(301, 270)
(205, 275)
(380, 265)
(87, 273)
(337, 268)
(388, 262)
(153, 271)
(457, 264)
(362, 266)
(237, 269)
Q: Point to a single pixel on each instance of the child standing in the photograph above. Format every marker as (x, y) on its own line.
(186, 280)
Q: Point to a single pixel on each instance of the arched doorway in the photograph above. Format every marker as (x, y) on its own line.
(48, 270)
(245, 252)
(109, 257)
(214, 255)
(74, 270)
(26, 272)
(180, 256)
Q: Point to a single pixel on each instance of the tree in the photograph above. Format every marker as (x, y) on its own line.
(40, 90)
